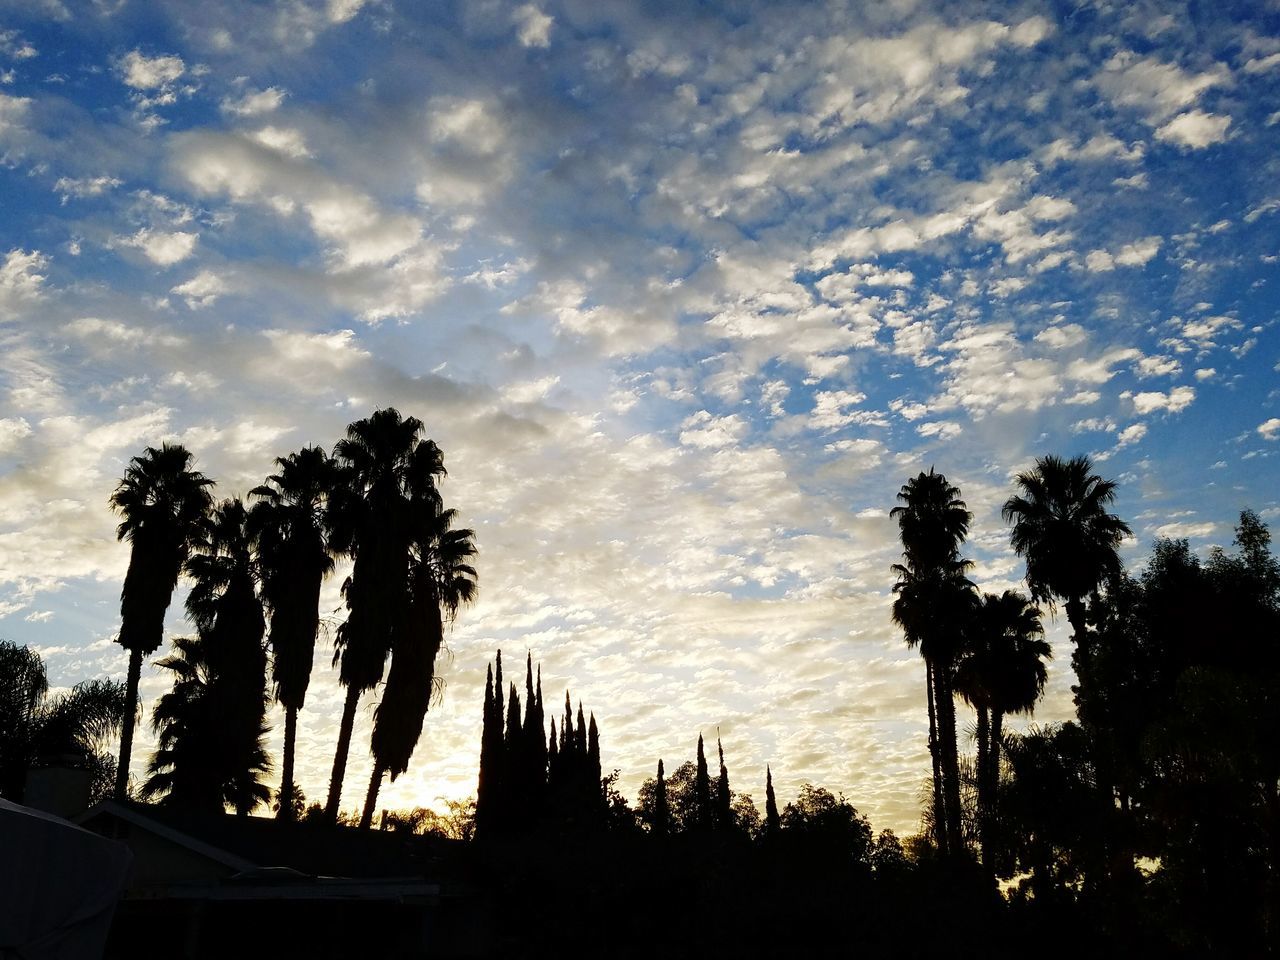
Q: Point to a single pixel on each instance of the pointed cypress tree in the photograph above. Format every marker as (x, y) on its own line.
(593, 762)
(580, 738)
(724, 808)
(490, 751)
(772, 822)
(661, 817)
(702, 792)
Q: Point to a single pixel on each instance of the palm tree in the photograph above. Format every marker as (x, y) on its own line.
(292, 523)
(227, 612)
(163, 503)
(374, 526)
(67, 728)
(441, 580)
(932, 598)
(192, 767)
(1001, 671)
(1062, 529)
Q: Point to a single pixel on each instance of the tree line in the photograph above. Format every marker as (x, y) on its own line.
(1151, 821)
(256, 572)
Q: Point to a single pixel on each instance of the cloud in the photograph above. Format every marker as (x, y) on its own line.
(1186, 530)
(1154, 88)
(254, 103)
(1195, 130)
(68, 187)
(1269, 429)
(202, 290)
(533, 27)
(149, 73)
(164, 248)
(1175, 401)
(21, 280)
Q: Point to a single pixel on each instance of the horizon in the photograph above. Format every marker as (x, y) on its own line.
(683, 299)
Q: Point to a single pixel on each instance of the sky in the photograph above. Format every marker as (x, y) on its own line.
(685, 292)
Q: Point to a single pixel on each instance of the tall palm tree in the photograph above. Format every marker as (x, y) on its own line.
(194, 767)
(441, 580)
(67, 728)
(292, 524)
(227, 611)
(1062, 528)
(374, 526)
(1001, 671)
(932, 598)
(162, 503)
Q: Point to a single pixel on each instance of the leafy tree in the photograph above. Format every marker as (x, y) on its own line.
(933, 599)
(291, 523)
(824, 824)
(162, 503)
(372, 523)
(68, 728)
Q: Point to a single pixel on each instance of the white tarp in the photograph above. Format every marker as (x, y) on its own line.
(58, 886)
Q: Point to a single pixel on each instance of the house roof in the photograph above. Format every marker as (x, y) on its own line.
(250, 844)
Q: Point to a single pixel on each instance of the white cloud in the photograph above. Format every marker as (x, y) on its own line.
(1156, 89)
(1195, 129)
(254, 103)
(533, 27)
(1131, 434)
(1158, 367)
(1137, 254)
(1269, 429)
(1186, 530)
(68, 187)
(21, 282)
(202, 290)
(1062, 336)
(710, 432)
(1175, 401)
(148, 73)
(161, 247)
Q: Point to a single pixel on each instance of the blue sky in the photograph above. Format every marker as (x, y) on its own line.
(684, 292)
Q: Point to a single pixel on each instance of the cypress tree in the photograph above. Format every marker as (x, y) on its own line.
(593, 761)
(702, 792)
(513, 785)
(488, 759)
(724, 808)
(661, 824)
(772, 822)
(580, 737)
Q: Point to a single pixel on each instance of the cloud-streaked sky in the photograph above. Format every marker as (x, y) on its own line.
(685, 292)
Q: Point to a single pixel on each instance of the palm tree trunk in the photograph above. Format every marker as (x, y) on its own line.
(371, 798)
(340, 757)
(993, 766)
(939, 814)
(984, 796)
(946, 708)
(126, 729)
(287, 790)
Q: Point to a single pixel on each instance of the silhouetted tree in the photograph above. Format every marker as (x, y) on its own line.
(1062, 528)
(724, 818)
(702, 817)
(65, 729)
(219, 714)
(932, 599)
(162, 503)
(373, 525)
(772, 822)
(441, 579)
(661, 825)
(291, 522)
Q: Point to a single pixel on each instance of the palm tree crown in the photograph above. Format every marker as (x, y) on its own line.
(1062, 528)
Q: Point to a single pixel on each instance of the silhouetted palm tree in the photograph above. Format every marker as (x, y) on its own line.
(194, 766)
(1062, 529)
(1002, 671)
(69, 728)
(163, 503)
(227, 612)
(374, 526)
(932, 600)
(441, 579)
(292, 525)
